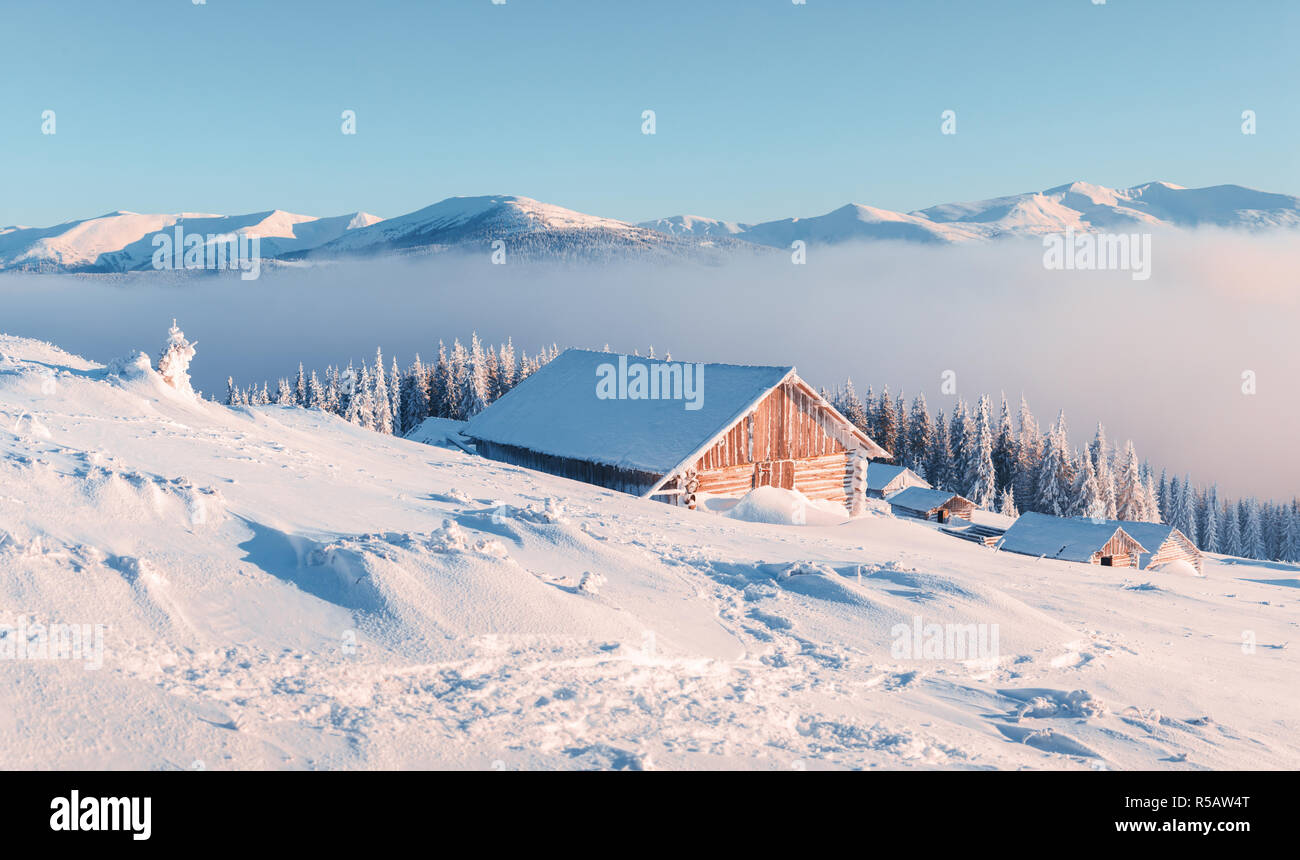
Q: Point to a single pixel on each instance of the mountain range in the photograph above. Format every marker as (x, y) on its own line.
(123, 241)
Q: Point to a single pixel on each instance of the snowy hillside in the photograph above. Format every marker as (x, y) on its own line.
(1078, 206)
(280, 589)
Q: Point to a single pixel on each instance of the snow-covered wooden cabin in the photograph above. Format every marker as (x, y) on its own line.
(1103, 542)
(885, 479)
(1164, 544)
(929, 504)
(736, 428)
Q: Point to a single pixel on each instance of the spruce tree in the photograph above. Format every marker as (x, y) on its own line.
(378, 390)
(1029, 453)
(1054, 480)
(939, 467)
(415, 395)
(474, 382)
(961, 441)
(315, 396)
(1252, 531)
(1131, 496)
(1185, 513)
(1291, 533)
(456, 364)
(887, 424)
(1151, 501)
(1007, 502)
(1230, 526)
(1004, 448)
(1210, 520)
(853, 408)
(1099, 453)
(1088, 500)
(920, 431)
(395, 398)
(981, 479)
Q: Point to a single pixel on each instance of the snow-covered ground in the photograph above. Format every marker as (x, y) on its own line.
(279, 589)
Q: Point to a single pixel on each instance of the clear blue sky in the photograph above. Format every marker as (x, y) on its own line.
(765, 109)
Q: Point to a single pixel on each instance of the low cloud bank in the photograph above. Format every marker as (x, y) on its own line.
(1160, 360)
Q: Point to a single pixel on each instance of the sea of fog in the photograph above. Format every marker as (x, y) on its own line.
(1160, 361)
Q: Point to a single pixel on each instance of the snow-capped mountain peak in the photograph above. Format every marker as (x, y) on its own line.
(122, 240)
(1081, 206)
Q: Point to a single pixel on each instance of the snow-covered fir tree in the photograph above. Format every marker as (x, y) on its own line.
(1007, 502)
(1088, 500)
(1130, 501)
(981, 479)
(1004, 447)
(1029, 453)
(1184, 511)
(852, 406)
(1055, 482)
(886, 423)
(920, 432)
(395, 398)
(1252, 530)
(378, 389)
(939, 466)
(174, 360)
(474, 382)
(1210, 520)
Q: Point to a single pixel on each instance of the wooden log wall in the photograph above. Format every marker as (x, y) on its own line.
(1121, 548)
(789, 424)
(790, 440)
(623, 480)
(1176, 548)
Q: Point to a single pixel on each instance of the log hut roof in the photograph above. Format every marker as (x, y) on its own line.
(922, 499)
(1065, 538)
(879, 475)
(556, 411)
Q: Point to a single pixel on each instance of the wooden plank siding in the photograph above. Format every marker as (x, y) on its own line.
(1176, 548)
(1121, 548)
(623, 480)
(789, 440)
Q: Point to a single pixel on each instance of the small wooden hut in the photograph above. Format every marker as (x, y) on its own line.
(885, 479)
(1104, 542)
(733, 428)
(930, 504)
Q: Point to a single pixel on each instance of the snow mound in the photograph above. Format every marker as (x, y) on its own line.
(437, 431)
(777, 506)
(1178, 568)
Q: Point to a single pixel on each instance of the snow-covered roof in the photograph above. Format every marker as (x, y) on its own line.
(920, 498)
(879, 475)
(1067, 538)
(556, 411)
